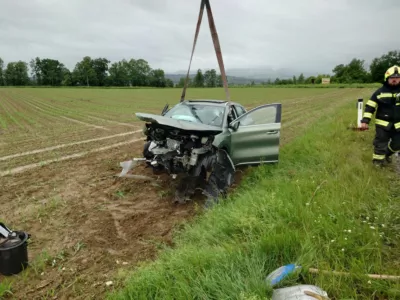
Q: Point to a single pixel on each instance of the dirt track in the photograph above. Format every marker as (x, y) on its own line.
(89, 227)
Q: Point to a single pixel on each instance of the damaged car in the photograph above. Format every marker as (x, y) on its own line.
(205, 141)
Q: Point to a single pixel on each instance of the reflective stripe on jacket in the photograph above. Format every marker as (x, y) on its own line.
(384, 103)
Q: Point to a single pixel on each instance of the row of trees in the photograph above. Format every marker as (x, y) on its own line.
(88, 72)
(353, 72)
(208, 79)
(137, 72)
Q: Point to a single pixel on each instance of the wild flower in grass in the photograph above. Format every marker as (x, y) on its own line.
(372, 227)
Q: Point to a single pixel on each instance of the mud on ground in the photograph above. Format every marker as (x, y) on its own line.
(87, 226)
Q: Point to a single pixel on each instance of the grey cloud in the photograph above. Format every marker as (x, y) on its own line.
(309, 35)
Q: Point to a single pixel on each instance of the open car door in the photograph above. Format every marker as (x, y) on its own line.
(255, 135)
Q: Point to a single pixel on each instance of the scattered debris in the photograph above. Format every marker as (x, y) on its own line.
(293, 292)
(302, 292)
(374, 276)
(279, 274)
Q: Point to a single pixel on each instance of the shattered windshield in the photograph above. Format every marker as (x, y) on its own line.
(198, 113)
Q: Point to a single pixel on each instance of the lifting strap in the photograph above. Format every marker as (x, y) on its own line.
(217, 47)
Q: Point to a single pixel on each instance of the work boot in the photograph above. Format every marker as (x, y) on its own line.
(388, 158)
(377, 163)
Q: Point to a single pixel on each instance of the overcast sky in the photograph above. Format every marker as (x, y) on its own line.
(309, 35)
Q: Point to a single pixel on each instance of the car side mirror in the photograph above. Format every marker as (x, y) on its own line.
(234, 126)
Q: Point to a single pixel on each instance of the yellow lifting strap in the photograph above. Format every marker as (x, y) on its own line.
(217, 47)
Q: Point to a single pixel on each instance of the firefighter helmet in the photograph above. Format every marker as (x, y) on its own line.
(392, 72)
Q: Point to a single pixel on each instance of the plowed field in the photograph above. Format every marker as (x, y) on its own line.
(59, 153)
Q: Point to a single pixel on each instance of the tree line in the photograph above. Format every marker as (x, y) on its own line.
(87, 72)
(353, 72)
(137, 72)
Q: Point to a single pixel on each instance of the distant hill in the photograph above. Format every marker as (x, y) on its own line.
(246, 76)
(231, 79)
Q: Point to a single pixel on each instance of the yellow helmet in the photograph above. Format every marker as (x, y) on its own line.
(392, 72)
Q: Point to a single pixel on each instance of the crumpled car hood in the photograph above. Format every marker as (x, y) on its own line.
(183, 125)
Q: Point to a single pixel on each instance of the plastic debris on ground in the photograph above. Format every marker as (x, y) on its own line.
(279, 274)
(298, 292)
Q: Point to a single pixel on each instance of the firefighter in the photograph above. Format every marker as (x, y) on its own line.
(385, 101)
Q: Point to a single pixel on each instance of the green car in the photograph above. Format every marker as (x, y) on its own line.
(197, 137)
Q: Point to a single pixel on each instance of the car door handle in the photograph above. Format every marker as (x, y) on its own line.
(272, 132)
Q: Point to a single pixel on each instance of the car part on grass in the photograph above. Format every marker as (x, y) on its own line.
(294, 292)
(129, 165)
(300, 292)
(13, 251)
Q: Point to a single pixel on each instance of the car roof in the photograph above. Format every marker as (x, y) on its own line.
(215, 102)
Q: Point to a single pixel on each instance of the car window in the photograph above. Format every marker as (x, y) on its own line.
(240, 110)
(263, 115)
(231, 114)
(198, 113)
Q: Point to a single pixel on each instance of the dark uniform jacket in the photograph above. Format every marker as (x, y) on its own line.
(383, 101)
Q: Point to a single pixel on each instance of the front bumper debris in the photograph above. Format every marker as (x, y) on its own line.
(129, 165)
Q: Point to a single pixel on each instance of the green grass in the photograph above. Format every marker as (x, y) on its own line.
(5, 289)
(323, 206)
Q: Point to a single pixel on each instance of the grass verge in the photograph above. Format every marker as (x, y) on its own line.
(324, 206)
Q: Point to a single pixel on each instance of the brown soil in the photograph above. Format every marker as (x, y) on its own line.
(90, 222)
